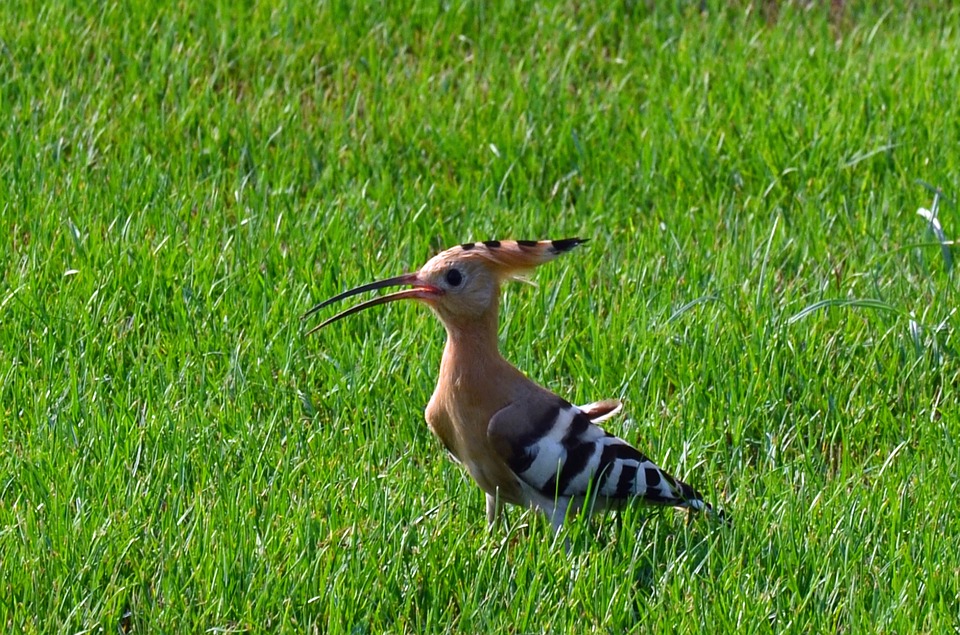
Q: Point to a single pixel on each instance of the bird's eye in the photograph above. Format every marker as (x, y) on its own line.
(454, 277)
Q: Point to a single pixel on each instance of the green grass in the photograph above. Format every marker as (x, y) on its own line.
(179, 183)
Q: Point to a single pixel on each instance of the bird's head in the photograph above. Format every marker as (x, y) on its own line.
(461, 283)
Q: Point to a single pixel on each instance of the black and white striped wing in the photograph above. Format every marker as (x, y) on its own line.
(562, 453)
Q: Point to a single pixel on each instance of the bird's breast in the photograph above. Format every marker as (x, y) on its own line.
(463, 431)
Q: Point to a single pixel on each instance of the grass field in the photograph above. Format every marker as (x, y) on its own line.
(178, 183)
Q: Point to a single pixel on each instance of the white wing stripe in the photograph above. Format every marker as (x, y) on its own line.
(549, 452)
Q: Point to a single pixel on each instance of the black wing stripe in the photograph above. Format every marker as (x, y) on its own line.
(522, 459)
(618, 453)
(577, 459)
(653, 477)
(628, 477)
(540, 428)
(607, 467)
(578, 427)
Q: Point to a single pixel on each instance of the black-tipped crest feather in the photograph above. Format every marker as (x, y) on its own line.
(566, 244)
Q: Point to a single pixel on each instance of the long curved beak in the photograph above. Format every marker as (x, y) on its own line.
(421, 291)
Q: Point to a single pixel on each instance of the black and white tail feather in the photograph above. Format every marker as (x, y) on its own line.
(565, 461)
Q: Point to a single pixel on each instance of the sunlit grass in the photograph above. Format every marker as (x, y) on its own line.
(179, 183)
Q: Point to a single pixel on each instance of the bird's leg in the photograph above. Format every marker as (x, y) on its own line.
(494, 510)
(559, 513)
(557, 516)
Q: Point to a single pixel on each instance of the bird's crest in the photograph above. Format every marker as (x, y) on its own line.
(514, 257)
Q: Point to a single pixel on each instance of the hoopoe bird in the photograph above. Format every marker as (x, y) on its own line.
(521, 443)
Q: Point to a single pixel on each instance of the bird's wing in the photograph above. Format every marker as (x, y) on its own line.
(558, 451)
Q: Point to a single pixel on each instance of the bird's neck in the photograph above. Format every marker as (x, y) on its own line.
(473, 339)
(471, 356)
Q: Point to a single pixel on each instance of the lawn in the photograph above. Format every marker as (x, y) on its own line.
(179, 182)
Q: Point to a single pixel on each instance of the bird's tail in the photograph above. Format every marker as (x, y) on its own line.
(675, 493)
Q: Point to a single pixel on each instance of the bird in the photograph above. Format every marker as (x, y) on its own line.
(521, 443)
